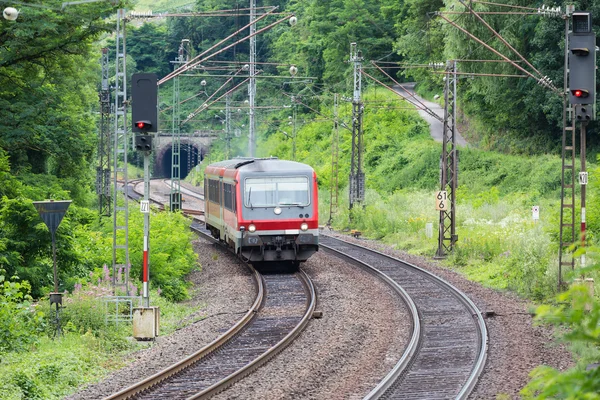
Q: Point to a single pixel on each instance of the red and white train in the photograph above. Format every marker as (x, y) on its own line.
(265, 209)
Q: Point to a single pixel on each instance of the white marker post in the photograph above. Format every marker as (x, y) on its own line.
(535, 213)
(145, 209)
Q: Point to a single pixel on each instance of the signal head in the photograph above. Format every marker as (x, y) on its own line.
(143, 143)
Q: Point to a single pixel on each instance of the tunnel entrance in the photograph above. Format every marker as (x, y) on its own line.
(189, 157)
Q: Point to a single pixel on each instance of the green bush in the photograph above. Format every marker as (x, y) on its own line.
(582, 328)
(58, 367)
(20, 321)
(171, 254)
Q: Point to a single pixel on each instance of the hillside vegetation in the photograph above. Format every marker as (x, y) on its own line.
(50, 74)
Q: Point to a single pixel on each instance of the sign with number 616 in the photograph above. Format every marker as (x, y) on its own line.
(441, 200)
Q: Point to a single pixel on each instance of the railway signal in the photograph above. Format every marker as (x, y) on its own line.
(582, 67)
(144, 101)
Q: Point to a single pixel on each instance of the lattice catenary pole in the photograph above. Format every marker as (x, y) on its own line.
(448, 166)
(335, 139)
(252, 82)
(104, 143)
(120, 259)
(357, 176)
(175, 196)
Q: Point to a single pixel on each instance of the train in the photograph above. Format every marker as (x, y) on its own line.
(265, 209)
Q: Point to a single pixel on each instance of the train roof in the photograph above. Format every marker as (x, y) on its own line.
(260, 165)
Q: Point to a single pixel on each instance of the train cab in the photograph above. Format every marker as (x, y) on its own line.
(265, 209)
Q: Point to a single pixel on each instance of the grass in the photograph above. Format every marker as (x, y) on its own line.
(499, 244)
(87, 352)
(55, 367)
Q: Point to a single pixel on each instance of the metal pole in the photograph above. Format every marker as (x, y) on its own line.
(54, 261)
(104, 144)
(567, 196)
(333, 196)
(228, 123)
(58, 302)
(443, 170)
(120, 242)
(454, 166)
(294, 133)
(356, 174)
(583, 186)
(252, 83)
(146, 267)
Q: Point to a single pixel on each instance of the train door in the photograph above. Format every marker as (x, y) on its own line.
(221, 216)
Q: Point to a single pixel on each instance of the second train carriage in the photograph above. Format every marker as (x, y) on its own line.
(266, 209)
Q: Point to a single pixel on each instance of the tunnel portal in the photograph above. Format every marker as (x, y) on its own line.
(189, 157)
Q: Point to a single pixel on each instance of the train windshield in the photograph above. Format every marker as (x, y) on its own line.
(276, 191)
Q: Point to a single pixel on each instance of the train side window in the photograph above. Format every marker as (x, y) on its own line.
(213, 191)
(228, 196)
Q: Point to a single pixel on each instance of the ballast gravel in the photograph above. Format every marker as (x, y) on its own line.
(361, 335)
(224, 291)
(515, 344)
(344, 354)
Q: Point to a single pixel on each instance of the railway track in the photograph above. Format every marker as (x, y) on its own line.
(282, 309)
(284, 305)
(448, 348)
(136, 194)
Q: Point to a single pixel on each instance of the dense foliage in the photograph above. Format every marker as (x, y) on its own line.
(504, 113)
(49, 72)
(580, 314)
(47, 134)
(47, 76)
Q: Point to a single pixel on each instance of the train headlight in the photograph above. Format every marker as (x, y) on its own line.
(252, 228)
(277, 210)
(304, 226)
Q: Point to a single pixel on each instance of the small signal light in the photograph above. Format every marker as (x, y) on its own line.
(580, 93)
(143, 125)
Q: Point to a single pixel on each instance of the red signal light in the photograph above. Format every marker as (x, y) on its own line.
(143, 125)
(580, 93)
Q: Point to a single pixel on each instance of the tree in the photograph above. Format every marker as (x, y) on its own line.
(47, 89)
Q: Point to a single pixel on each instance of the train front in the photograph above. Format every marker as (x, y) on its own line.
(279, 218)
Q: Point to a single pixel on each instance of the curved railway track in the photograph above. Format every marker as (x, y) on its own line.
(282, 309)
(443, 359)
(448, 349)
(284, 305)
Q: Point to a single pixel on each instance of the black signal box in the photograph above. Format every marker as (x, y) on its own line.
(143, 142)
(582, 66)
(144, 102)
